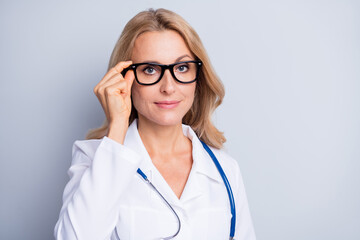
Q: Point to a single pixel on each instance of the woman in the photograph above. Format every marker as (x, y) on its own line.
(158, 107)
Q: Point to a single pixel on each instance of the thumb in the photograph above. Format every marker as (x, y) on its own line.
(129, 78)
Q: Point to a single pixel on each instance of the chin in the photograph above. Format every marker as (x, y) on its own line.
(164, 119)
(167, 121)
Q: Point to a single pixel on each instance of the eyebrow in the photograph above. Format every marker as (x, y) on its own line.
(176, 60)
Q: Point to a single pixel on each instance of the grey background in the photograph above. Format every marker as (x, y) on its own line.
(291, 112)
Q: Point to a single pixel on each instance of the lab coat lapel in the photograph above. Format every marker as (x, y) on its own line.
(203, 163)
(192, 188)
(133, 141)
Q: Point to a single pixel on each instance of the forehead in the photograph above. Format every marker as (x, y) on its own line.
(163, 47)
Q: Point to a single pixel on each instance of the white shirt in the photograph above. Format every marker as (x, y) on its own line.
(107, 199)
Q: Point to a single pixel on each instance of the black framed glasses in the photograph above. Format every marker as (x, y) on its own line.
(151, 73)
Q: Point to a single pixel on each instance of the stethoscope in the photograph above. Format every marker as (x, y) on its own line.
(228, 188)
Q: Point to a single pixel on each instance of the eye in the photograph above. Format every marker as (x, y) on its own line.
(182, 68)
(149, 70)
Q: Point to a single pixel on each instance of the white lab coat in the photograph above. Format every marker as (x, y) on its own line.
(107, 199)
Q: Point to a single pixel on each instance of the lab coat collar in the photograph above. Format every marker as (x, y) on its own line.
(202, 164)
(133, 141)
(201, 159)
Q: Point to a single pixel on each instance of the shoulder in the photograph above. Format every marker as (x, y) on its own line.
(83, 150)
(229, 164)
(224, 157)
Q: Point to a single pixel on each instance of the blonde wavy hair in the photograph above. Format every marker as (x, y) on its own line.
(209, 91)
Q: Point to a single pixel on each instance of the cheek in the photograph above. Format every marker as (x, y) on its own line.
(135, 97)
(191, 93)
(141, 97)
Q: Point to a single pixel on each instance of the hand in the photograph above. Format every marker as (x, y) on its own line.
(114, 93)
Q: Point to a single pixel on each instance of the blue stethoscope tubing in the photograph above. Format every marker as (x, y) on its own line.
(228, 188)
(227, 185)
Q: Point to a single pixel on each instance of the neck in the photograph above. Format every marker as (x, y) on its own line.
(162, 140)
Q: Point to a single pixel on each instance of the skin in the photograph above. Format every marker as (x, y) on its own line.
(160, 129)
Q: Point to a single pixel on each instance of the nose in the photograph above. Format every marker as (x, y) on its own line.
(167, 83)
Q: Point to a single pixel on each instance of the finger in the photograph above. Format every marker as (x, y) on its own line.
(116, 106)
(113, 79)
(110, 74)
(121, 65)
(100, 91)
(102, 101)
(115, 70)
(116, 89)
(115, 86)
(115, 99)
(107, 82)
(129, 78)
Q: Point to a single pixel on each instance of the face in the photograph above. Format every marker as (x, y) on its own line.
(166, 102)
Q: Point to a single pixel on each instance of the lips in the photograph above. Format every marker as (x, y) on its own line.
(167, 104)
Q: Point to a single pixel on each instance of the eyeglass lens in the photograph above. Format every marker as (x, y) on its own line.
(149, 73)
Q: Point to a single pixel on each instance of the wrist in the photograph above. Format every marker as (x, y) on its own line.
(117, 130)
